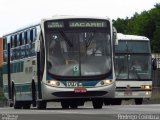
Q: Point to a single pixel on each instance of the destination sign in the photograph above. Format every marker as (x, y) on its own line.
(55, 24)
(97, 24)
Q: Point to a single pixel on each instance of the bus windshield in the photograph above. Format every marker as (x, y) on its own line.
(133, 67)
(78, 53)
(133, 47)
(133, 60)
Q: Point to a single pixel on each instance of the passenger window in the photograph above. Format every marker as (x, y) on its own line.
(12, 41)
(5, 56)
(23, 51)
(4, 43)
(34, 35)
(31, 36)
(13, 54)
(5, 49)
(28, 37)
(23, 38)
(15, 41)
(18, 52)
(18, 42)
(20, 39)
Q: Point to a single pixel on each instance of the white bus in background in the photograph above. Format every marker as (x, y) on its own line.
(133, 66)
(63, 59)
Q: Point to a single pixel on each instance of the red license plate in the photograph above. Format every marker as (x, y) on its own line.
(80, 90)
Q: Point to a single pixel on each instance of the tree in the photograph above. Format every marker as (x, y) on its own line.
(147, 23)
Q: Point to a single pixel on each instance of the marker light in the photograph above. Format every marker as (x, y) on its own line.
(148, 93)
(146, 86)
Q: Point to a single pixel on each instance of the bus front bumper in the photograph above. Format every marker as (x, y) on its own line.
(133, 94)
(53, 93)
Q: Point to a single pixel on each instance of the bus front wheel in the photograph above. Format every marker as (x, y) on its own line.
(138, 101)
(16, 104)
(26, 105)
(65, 104)
(97, 103)
(41, 105)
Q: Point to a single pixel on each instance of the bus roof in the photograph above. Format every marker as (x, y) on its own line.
(121, 36)
(20, 29)
(57, 17)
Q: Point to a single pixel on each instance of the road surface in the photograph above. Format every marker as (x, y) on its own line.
(54, 112)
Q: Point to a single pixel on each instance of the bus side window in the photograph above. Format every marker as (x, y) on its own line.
(28, 37)
(23, 48)
(25, 37)
(4, 43)
(32, 38)
(28, 44)
(34, 35)
(12, 41)
(20, 39)
(18, 49)
(5, 49)
(15, 41)
(12, 47)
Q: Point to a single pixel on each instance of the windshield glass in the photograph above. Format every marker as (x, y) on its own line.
(133, 47)
(133, 66)
(78, 52)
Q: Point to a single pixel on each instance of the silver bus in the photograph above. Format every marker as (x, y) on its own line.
(63, 59)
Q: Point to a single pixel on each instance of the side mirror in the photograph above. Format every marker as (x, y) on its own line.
(115, 39)
(37, 43)
(154, 64)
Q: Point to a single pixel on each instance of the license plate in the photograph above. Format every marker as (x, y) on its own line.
(72, 84)
(80, 90)
(127, 93)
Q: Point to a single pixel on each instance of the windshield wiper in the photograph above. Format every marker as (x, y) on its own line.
(127, 49)
(90, 39)
(66, 38)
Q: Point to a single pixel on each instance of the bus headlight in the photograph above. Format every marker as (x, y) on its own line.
(53, 83)
(146, 86)
(104, 82)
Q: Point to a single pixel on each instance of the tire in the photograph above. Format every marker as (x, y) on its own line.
(26, 105)
(138, 101)
(116, 102)
(107, 101)
(41, 105)
(34, 95)
(73, 106)
(11, 103)
(65, 104)
(97, 103)
(16, 104)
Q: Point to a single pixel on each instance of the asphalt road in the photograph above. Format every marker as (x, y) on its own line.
(54, 112)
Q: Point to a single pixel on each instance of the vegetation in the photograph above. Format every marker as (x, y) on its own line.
(147, 23)
(1, 86)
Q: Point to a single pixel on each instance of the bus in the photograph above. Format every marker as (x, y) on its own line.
(64, 59)
(133, 66)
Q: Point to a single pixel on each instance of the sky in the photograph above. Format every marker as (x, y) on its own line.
(15, 14)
